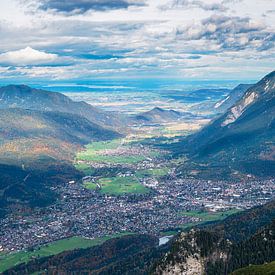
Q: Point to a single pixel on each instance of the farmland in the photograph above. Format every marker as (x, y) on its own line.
(121, 185)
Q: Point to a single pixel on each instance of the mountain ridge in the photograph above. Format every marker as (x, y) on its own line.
(25, 97)
(242, 137)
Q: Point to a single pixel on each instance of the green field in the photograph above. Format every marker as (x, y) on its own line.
(9, 260)
(265, 269)
(204, 216)
(122, 185)
(90, 185)
(85, 168)
(209, 216)
(95, 152)
(157, 172)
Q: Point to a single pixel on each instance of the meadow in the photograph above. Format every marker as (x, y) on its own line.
(204, 217)
(156, 172)
(122, 185)
(90, 185)
(96, 152)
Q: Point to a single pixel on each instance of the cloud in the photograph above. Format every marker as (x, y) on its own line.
(194, 4)
(229, 33)
(27, 56)
(82, 6)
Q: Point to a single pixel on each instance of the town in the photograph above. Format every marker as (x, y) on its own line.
(88, 213)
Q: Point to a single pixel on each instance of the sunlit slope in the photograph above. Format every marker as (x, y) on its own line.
(25, 97)
(29, 133)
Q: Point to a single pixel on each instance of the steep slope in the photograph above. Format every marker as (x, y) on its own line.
(21, 96)
(36, 151)
(208, 251)
(31, 134)
(242, 138)
(236, 94)
(22, 188)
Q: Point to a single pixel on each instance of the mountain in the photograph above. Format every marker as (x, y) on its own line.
(159, 115)
(240, 140)
(234, 95)
(24, 97)
(36, 153)
(23, 188)
(207, 250)
(29, 135)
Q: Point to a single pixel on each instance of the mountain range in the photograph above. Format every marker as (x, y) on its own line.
(40, 133)
(240, 141)
(25, 97)
(159, 115)
(28, 134)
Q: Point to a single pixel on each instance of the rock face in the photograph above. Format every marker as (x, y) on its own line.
(263, 90)
(214, 249)
(191, 253)
(236, 94)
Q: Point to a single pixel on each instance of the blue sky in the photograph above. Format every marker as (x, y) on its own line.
(56, 40)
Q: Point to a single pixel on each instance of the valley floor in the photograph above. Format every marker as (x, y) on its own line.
(129, 188)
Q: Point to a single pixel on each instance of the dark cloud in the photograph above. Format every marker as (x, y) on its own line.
(81, 6)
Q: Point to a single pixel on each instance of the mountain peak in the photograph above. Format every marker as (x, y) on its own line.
(265, 85)
(157, 109)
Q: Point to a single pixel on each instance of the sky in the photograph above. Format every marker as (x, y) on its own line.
(56, 40)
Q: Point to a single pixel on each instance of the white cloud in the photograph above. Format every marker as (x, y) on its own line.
(193, 36)
(27, 56)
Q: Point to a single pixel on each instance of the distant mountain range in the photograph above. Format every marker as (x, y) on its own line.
(160, 115)
(25, 97)
(242, 139)
(28, 134)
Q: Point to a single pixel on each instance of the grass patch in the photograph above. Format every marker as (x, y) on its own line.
(206, 216)
(85, 168)
(95, 152)
(157, 172)
(111, 159)
(90, 185)
(12, 259)
(122, 185)
(209, 216)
